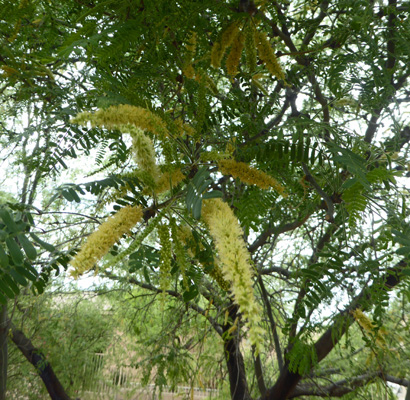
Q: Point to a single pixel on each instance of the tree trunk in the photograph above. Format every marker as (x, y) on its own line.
(234, 361)
(35, 357)
(4, 328)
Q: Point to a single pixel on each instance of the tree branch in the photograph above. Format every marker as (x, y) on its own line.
(288, 380)
(272, 322)
(345, 386)
(325, 197)
(39, 361)
(277, 230)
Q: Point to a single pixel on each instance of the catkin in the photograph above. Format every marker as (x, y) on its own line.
(234, 56)
(124, 114)
(180, 253)
(267, 55)
(235, 262)
(99, 242)
(188, 68)
(250, 47)
(250, 175)
(370, 328)
(201, 103)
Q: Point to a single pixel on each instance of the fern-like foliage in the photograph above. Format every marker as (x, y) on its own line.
(302, 357)
(355, 202)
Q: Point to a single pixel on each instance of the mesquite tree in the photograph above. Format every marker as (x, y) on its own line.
(262, 145)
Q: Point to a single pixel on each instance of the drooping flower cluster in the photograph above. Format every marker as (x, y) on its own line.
(168, 180)
(234, 56)
(237, 36)
(142, 150)
(235, 262)
(267, 55)
(99, 242)
(134, 120)
(185, 236)
(180, 253)
(124, 114)
(181, 128)
(152, 224)
(188, 68)
(250, 175)
(250, 47)
(369, 327)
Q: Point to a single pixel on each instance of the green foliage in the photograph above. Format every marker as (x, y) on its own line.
(333, 130)
(302, 358)
(17, 252)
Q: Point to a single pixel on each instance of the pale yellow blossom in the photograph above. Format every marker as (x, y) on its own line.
(142, 150)
(235, 262)
(250, 175)
(234, 57)
(267, 55)
(168, 180)
(99, 242)
(124, 114)
(369, 327)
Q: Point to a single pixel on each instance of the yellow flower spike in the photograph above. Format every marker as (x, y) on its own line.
(250, 46)
(189, 71)
(369, 327)
(250, 175)
(99, 242)
(124, 114)
(267, 55)
(229, 34)
(234, 56)
(190, 46)
(142, 150)
(168, 180)
(235, 262)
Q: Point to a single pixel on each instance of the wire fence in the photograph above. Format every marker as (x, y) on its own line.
(103, 381)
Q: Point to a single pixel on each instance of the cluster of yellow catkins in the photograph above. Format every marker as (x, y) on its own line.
(188, 68)
(99, 242)
(235, 262)
(124, 114)
(238, 39)
(250, 175)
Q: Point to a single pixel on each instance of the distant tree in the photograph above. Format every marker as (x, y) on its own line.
(257, 154)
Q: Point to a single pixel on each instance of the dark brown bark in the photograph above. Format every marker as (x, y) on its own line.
(345, 386)
(38, 360)
(234, 360)
(4, 328)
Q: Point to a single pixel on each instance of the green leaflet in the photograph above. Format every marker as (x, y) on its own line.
(27, 246)
(355, 202)
(15, 251)
(197, 192)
